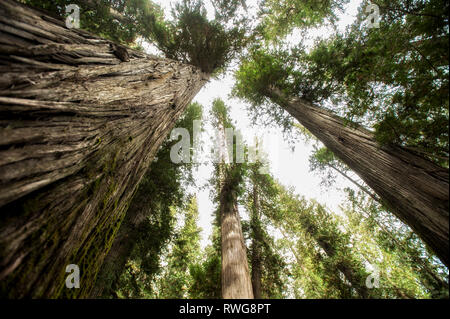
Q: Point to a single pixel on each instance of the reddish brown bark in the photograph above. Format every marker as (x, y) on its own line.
(236, 282)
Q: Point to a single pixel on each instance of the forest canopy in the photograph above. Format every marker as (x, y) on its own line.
(359, 89)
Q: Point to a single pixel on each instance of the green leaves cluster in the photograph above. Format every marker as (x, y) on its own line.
(393, 79)
(122, 21)
(191, 38)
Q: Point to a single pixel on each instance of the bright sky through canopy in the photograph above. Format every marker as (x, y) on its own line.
(291, 168)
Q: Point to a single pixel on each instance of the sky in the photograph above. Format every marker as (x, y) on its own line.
(290, 167)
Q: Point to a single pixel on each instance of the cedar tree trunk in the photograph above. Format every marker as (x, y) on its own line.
(236, 282)
(413, 188)
(80, 121)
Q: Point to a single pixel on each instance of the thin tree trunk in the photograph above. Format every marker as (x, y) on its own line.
(361, 187)
(236, 282)
(345, 266)
(256, 243)
(80, 122)
(416, 190)
(235, 274)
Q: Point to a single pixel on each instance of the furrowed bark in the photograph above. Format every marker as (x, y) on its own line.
(235, 274)
(78, 129)
(236, 282)
(415, 189)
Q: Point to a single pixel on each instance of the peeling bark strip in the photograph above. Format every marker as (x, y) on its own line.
(416, 190)
(78, 129)
(236, 281)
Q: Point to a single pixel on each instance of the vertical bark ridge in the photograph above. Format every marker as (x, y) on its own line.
(236, 281)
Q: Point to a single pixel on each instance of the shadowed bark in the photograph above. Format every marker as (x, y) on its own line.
(79, 126)
(413, 188)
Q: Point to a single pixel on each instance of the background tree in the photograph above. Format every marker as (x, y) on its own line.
(206, 274)
(403, 254)
(333, 256)
(177, 280)
(298, 80)
(235, 276)
(268, 269)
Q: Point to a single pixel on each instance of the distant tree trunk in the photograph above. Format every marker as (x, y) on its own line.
(236, 282)
(256, 244)
(415, 189)
(80, 122)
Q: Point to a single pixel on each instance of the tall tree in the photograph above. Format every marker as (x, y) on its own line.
(149, 224)
(414, 188)
(81, 121)
(323, 229)
(236, 282)
(268, 268)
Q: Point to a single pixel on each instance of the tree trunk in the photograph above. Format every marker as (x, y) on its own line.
(415, 189)
(115, 261)
(236, 282)
(256, 243)
(80, 122)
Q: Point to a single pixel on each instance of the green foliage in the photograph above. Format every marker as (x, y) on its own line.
(279, 18)
(188, 37)
(403, 253)
(331, 253)
(259, 72)
(122, 21)
(191, 38)
(177, 280)
(393, 79)
(207, 276)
